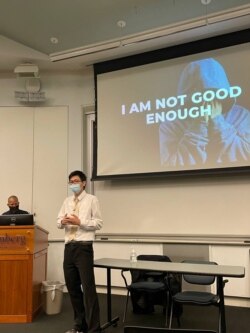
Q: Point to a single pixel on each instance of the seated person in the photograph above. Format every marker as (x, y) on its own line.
(13, 205)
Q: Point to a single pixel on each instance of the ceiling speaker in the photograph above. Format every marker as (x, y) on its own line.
(33, 85)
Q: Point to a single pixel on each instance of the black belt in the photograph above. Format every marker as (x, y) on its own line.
(80, 242)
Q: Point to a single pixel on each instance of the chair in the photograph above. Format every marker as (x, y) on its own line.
(194, 297)
(141, 329)
(147, 288)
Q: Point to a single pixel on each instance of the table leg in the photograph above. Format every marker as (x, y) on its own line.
(110, 321)
(222, 324)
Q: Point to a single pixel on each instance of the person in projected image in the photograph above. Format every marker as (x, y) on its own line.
(215, 139)
(13, 204)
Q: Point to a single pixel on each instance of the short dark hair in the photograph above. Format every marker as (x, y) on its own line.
(78, 173)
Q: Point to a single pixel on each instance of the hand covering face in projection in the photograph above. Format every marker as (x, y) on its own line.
(221, 137)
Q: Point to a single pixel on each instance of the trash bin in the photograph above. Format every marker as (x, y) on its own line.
(52, 294)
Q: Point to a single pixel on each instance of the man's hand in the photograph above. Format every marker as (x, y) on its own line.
(71, 219)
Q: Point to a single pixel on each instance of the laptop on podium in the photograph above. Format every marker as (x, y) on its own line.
(16, 219)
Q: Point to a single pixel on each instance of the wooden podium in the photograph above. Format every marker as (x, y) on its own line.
(23, 267)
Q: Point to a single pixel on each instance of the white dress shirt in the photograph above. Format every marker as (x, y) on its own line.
(88, 211)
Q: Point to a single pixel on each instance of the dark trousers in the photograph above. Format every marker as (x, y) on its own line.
(80, 281)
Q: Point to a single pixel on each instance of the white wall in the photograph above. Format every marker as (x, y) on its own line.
(75, 90)
(215, 205)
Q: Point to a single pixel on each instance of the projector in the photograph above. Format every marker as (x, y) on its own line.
(27, 70)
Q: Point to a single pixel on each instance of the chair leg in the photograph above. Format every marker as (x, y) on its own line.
(178, 321)
(166, 323)
(171, 315)
(126, 307)
(219, 328)
(167, 309)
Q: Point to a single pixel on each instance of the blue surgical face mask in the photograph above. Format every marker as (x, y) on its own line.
(76, 188)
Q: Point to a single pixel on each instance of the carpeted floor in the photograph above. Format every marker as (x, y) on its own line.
(238, 319)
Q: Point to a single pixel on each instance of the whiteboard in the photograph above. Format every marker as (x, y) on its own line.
(34, 161)
(16, 150)
(50, 170)
(214, 205)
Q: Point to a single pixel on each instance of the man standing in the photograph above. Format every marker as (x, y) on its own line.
(13, 204)
(80, 217)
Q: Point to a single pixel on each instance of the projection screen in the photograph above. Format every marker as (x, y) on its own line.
(186, 113)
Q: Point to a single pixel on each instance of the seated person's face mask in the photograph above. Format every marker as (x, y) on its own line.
(14, 209)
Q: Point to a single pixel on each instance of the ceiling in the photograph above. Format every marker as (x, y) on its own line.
(72, 34)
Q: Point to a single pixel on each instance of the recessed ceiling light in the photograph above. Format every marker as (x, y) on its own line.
(121, 24)
(54, 40)
(206, 2)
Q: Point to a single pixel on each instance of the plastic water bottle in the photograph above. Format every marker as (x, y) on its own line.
(133, 256)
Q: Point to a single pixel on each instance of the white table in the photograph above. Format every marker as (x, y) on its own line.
(219, 271)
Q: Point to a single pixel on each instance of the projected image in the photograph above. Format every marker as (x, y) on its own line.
(207, 126)
(186, 113)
